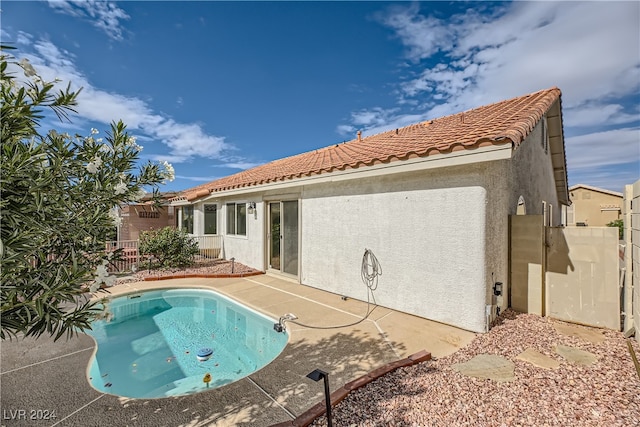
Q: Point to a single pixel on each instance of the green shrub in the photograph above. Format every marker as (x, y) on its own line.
(620, 224)
(169, 246)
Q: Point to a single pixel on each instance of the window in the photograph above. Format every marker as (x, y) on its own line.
(237, 219)
(210, 219)
(545, 135)
(231, 218)
(148, 214)
(187, 219)
(570, 219)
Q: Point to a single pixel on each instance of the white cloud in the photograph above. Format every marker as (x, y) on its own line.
(613, 147)
(612, 179)
(591, 114)
(526, 47)
(23, 38)
(185, 140)
(367, 119)
(198, 178)
(102, 14)
(423, 35)
(378, 120)
(590, 50)
(394, 122)
(171, 158)
(345, 129)
(237, 165)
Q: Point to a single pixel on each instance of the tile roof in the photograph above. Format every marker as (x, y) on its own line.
(498, 123)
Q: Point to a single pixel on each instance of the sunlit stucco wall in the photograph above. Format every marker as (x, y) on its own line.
(247, 249)
(528, 174)
(426, 229)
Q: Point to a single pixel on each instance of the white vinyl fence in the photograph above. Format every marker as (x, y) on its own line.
(632, 257)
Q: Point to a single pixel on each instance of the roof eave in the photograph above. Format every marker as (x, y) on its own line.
(557, 151)
(499, 150)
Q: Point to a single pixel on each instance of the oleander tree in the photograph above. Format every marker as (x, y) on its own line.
(58, 194)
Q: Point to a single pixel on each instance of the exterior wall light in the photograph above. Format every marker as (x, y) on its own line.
(497, 288)
(315, 376)
(251, 207)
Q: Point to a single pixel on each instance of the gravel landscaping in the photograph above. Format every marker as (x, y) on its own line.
(202, 266)
(605, 393)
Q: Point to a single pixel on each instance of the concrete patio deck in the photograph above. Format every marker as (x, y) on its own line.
(38, 377)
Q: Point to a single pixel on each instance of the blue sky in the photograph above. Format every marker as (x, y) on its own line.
(217, 87)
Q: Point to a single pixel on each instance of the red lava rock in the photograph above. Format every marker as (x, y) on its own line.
(432, 394)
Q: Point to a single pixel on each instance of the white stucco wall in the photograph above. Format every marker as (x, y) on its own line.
(441, 235)
(425, 228)
(528, 174)
(497, 233)
(198, 218)
(248, 249)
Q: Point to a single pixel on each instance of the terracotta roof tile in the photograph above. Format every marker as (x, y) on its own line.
(504, 121)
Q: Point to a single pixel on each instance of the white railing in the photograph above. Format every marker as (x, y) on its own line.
(210, 248)
(210, 245)
(129, 257)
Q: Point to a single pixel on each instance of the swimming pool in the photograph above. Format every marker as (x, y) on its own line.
(170, 342)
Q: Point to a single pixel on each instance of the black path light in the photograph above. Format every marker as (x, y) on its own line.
(316, 375)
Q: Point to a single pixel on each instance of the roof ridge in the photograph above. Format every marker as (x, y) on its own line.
(513, 119)
(598, 189)
(448, 116)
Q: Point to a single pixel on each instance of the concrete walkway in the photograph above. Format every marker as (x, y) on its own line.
(40, 377)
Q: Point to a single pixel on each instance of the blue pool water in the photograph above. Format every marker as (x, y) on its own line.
(148, 344)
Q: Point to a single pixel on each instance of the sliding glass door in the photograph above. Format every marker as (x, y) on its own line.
(275, 236)
(283, 236)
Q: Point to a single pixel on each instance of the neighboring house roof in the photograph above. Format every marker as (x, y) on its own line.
(505, 122)
(600, 190)
(163, 197)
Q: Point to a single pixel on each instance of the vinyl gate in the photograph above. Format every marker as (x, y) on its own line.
(527, 263)
(632, 264)
(569, 273)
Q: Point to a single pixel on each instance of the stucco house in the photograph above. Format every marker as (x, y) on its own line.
(431, 200)
(593, 206)
(145, 215)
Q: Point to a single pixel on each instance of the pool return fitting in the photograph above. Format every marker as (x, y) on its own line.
(369, 272)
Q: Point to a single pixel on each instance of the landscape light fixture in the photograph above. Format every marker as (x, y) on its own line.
(315, 375)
